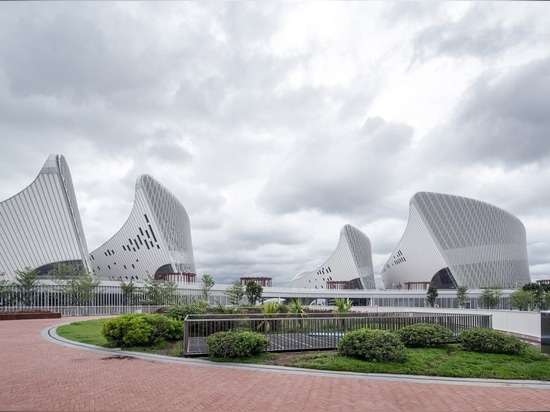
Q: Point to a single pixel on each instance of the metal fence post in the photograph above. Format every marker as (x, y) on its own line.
(545, 332)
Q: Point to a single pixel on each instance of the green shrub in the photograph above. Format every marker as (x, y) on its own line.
(372, 345)
(179, 312)
(141, 330)
(491, 341)
(236, 345)
(225, 310)
(424, 335)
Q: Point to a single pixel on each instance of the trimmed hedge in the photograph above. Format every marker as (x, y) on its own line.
(236, 344)
(138, 329)
(491, 341)
(424, 335)
(372, 345)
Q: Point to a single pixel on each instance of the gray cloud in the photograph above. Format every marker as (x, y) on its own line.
(338, 175)
(466, 37)
(270, 122)
(502, 121)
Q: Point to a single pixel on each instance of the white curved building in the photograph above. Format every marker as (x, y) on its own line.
(41, 225)
(454, 241)
(349, 267)
(155, 240)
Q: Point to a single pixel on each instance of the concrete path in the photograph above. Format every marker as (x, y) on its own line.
(38, 374)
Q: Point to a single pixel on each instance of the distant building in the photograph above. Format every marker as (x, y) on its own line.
(155, 240)
(262, 281)
(349, 267)
(40, 226)
(453, 241)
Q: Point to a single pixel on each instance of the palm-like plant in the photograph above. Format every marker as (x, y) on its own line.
(297, 308)
(342, 309)
(270, 309)
(342, 306)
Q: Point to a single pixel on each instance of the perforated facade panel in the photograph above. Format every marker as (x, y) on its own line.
(41, 226)
(156, 238)
(351, 261)
(480, 244)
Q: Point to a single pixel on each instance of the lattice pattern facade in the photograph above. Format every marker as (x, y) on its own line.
(155, 240)
(40, 226)
(453, 241)
(350, 262)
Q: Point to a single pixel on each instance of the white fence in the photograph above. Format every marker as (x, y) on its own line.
(523, 324)
(110, 299)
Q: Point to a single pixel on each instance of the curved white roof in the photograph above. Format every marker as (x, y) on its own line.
(351, 261)
(41, 225)
(155, 239)
(464, 241)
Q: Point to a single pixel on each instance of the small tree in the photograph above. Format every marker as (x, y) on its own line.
(253, 292)
(207, 284)
(522, 300)
(6, 293)
(235, 292)
(130, 293)
(159, 292)
(432, 295)
(490, 297)
(461, 296)
(27, 284)
(80, 287)
(538, 293)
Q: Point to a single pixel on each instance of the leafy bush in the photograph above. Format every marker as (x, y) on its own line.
(232, 344)
(221, 309)
(141, 330)
(491, 341)
(424, 335)
(179, 312)
(372, 345)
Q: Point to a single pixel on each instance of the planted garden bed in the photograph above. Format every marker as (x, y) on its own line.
(37, 314)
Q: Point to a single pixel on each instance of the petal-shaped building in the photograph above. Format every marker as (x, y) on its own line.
(453, 241)
(40, 226)
(155, 240)
(349, 267)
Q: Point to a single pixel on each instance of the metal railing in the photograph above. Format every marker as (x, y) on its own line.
(315, 331)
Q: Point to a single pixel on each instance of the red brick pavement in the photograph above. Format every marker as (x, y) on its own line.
(39, 375)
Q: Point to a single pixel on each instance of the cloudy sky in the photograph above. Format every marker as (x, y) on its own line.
(276, 123)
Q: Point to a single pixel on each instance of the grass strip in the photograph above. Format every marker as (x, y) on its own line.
(449, 361)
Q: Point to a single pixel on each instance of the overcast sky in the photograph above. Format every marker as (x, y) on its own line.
(276, 123)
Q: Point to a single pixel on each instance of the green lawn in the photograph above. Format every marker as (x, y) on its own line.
(449, 360)
(89, 331)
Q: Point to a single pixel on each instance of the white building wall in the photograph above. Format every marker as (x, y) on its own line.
(416, 258)
(141, 247)
(482, 245)
(351, 259)
(41, 224)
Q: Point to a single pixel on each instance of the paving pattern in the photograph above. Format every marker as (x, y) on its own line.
(37, 374)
